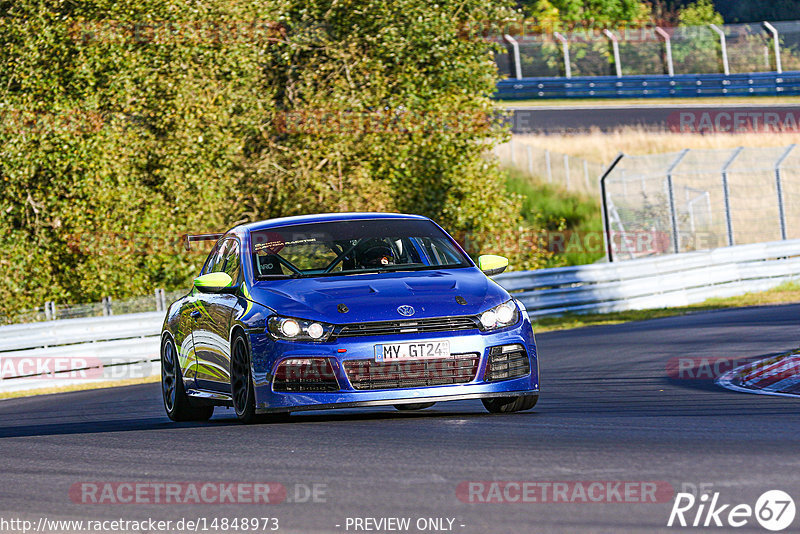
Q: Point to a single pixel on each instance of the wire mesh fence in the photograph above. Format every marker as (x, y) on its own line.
(51, 310)
(569, 172)
(701, 199)
(735, 48)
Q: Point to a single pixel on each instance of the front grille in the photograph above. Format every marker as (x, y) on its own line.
(369, 374)
(507, 362)
(406, 326)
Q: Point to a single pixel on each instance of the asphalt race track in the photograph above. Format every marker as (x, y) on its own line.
(607, 117)
(608, 412)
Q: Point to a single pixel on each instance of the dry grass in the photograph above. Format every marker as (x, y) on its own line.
(603, 147)
(80, 387)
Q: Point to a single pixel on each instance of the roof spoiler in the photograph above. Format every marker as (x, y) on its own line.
(188, 238)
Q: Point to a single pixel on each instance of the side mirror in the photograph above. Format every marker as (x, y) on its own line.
(214, 283)
(491, 264)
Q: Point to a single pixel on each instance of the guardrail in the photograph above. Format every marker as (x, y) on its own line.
(665, 281)
(78, 351)
(651, 86)
(127, 346)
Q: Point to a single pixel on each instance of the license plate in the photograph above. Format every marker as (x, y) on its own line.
(418, 350)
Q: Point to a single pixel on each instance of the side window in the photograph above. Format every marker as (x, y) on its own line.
(214, 258)
(230, 260)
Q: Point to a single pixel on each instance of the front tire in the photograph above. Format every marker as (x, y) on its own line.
(510, 404)
(242, 391)
(176, 402)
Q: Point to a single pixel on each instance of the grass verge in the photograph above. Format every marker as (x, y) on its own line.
(783, 294)
(80, 387)
(553, 209)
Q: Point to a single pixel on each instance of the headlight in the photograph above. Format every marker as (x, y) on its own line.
(292, 329)
(500, 316)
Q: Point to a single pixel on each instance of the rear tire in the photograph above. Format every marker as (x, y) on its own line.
(242, 390)
(176, 403)
(414, 406)
(510, 404)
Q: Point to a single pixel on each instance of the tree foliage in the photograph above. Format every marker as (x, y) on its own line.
(128, 123)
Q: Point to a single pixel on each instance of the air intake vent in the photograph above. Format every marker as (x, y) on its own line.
(507, 362)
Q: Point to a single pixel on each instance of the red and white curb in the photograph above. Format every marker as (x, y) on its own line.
(776, 375)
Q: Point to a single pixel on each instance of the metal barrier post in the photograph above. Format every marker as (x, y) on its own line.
(676, 244)
(726, 193)
(515, 47)
(615, 49)
(724, 48)
(776, 45)
(566, 170)
(565, 49)
(668, 48)
(513, 152)
(779, 189)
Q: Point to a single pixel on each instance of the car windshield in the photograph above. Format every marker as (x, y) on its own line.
(353, 247)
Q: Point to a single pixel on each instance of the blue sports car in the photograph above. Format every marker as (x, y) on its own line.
(344, 310)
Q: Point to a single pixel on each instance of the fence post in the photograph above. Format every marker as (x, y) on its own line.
(676, 243)
(515, 48)
(779, 188)
(548, 165)
(529, 149)
(776, 44)
(565, 50)
(727, 195)
(615, 48)
(668, 48)
(604, 205)
(513, 152)
(107, 306)
(566, 170)
(161, 300)
(586, 175)
(724, 48)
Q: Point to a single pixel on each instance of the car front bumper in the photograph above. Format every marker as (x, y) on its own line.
(267, 354)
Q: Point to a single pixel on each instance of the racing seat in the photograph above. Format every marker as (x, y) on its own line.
(269, 264)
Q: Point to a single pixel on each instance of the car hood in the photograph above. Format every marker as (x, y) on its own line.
(376, 296)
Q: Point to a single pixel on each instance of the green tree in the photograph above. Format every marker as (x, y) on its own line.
(589, 13)
(699, 13)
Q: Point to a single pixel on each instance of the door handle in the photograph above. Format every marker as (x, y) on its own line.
(195, 314)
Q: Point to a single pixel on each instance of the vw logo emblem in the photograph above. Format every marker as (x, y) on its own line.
(405, 311)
